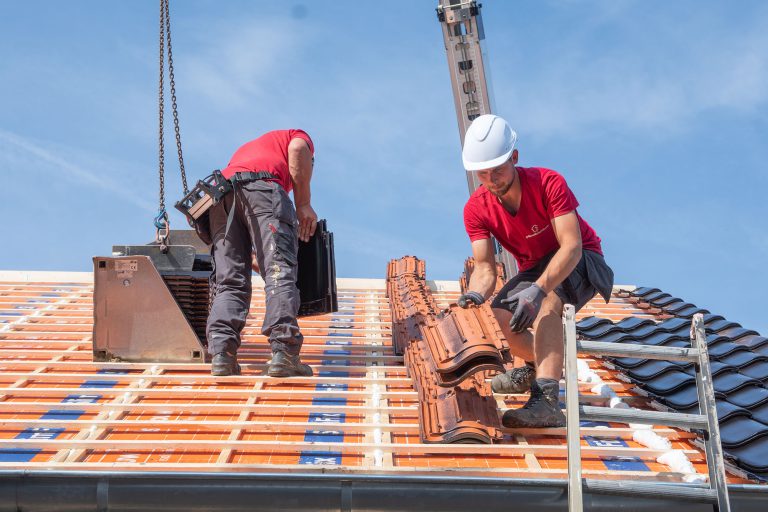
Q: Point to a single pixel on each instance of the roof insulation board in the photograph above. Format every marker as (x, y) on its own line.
(358, 414)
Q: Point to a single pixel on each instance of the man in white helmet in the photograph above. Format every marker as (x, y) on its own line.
(532, 213)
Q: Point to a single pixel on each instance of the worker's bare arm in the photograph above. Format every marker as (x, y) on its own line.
(566, 258)
(300, 168)
(483, 278)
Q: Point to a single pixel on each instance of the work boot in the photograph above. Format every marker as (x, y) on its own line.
(516, 380)
(542, 409)
(286, 365)
(224, 364)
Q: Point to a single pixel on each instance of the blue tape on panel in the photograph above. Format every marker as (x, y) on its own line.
(327, 436)
(99, 384)
(62, 414)
(18, 454)
(27, 454)
(40, 433)
(617, 463)
(320, 458)
(593, 424)
(332, 373)
(81, 399)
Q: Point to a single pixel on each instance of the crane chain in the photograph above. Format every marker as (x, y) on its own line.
(162, 223)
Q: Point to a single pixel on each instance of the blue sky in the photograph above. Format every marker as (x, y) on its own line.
(655, 112)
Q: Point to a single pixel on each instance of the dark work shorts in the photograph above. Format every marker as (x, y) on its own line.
(592, 275)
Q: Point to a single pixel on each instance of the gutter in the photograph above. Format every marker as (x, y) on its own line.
(79, 491)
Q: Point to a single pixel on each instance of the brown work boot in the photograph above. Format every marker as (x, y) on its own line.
(542, 409)
(224, 364)
(516, 380)
(286, 365)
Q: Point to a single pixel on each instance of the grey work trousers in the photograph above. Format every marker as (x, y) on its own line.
(263, 222)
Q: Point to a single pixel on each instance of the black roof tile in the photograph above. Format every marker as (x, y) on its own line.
(715, 367)
(714, 339)
(709, 317)
(720, 325)
(752, 456)
(683, 398)
(737, 332)
(633, 322)
(760, 413)
(742, 359)
(629, 362)
(590, 322)
(645, 331)
(662, 338)
(749, 397)
(725, 410)
(740, 430)
(674, 324)
(599, 330)
(618, 337)
(757, 370)
(665, 301)
(651, 370)
(643, 291)
(724, 349)
(752, 341)
(654, 296)
(668, 382)
(690, 311)
(729, 382)
(674, 308)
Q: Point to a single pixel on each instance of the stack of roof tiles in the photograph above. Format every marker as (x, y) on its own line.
(446, 353)
(739, 363)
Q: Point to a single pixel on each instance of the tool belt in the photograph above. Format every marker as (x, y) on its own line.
(208, 192)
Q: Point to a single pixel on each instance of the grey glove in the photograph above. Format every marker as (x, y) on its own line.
(524, 306)
(470, 298)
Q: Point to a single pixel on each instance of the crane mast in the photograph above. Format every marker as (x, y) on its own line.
(463, 35)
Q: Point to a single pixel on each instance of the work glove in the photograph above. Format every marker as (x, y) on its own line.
(470, 298)
(524, 306)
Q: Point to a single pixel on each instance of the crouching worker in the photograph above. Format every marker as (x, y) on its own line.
(258, 220)
(532, 213)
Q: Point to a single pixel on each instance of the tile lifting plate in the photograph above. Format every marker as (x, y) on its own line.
(138, 319)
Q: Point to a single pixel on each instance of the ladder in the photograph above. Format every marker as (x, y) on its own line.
(716, 492)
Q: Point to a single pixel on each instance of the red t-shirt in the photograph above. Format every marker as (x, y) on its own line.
(267, 153)
(528, 235)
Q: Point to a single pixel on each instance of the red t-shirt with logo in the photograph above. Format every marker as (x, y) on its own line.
(528, 236)
(267, 153)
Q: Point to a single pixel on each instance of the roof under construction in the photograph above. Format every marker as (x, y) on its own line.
(388, 422)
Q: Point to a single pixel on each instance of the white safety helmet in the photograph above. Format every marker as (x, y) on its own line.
(488, 143)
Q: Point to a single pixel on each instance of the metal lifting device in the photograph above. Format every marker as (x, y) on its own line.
(706, 421)
(463, 36)
(151, 301)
